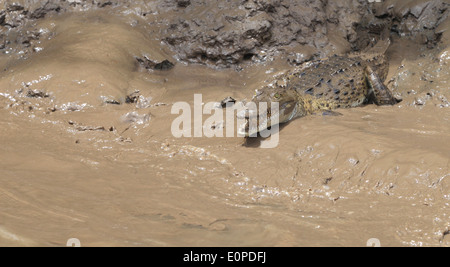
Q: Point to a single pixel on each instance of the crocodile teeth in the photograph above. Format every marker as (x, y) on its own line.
(247, 113)
(243, 129)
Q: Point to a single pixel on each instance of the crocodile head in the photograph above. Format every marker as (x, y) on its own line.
(268, 108)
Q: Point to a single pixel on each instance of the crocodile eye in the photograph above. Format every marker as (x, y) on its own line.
(277, 95)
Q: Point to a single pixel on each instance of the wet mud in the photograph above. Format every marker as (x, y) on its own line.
(87, 150)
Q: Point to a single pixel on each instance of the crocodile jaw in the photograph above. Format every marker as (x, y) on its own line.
(277, 113)
(256, 124)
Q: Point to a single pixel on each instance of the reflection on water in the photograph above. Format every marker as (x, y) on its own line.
(75, 163)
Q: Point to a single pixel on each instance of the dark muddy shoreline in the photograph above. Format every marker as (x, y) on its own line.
(231, 32)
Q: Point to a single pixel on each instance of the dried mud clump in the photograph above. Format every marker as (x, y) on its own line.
(235, 31)
(232, 31)
(417, 20)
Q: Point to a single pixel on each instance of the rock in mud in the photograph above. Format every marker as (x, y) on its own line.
(149, 64)
(37, 94)
(183, 3)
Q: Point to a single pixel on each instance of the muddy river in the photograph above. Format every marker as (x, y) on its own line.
(88, 148)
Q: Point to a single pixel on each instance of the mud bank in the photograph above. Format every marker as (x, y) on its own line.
(86, 91)
(232, 31)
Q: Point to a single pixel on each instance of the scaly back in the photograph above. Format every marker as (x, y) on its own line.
(375, 57)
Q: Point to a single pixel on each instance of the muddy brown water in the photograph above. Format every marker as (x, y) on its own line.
(72, 166)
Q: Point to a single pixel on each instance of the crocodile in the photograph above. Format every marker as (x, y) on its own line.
(322, 86)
